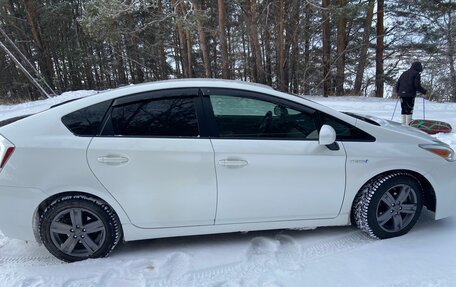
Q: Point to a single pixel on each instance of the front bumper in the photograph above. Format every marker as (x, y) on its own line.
(17, 209)
(443, 180)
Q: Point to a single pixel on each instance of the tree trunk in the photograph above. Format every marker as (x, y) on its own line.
(163, 65)
(252, 19)
(202, 39)
(341, 46)
(178, 55)
(291, 45)
(120, 65)
(223, 43)
(44, 58)
(189, 53)
(280, 46)
(183, 42)
(244, 57)
(326, 48)
(364, 48)
(268, 52)
(307, 24)
(379, 70)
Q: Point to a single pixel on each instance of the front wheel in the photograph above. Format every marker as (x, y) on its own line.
(388, 206)
(77, 227)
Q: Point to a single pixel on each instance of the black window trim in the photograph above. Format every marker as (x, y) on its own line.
(156, 94)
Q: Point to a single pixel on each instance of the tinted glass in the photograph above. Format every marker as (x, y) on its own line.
(162, 117)
(87, 121)
(246, 118)
(345, 131)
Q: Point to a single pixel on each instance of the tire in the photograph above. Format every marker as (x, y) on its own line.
(388, 206)
(77, 227)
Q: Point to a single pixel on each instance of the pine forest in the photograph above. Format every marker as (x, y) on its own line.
(309, 47)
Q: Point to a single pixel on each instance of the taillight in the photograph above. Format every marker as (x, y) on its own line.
(6, 150)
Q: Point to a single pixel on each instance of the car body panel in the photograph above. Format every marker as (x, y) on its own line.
(282, 180)
(17, 206)
(187, 197)
(132, 233)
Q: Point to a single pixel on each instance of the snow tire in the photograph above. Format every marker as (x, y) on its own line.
(370, 205)
(92, 213)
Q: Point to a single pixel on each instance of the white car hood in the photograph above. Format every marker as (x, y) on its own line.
(395, 127)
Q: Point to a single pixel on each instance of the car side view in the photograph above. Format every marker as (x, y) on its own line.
(191, 157)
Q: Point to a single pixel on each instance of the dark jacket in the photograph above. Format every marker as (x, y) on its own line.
(410, 82)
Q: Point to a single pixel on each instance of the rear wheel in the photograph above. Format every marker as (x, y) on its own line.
(75, 228)
(388, 206)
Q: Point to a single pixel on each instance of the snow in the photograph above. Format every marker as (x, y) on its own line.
(7, 112)
(335, 256)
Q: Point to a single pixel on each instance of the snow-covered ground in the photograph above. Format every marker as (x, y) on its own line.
(336, 256)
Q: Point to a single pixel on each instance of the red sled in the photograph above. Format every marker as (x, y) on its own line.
(431, 127)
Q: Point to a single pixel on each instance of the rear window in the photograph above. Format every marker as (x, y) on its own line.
(166, 117)
(86, 121)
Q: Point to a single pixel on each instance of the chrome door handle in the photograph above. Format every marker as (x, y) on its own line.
(233, 162)
(112, 159)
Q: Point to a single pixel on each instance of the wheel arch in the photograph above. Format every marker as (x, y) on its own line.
(429, 197)
(42, 206)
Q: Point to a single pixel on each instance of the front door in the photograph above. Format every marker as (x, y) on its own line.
(269, 164)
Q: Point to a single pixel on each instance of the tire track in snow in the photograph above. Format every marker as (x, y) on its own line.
(23, 254)
(346, 243)
(30, 260)
(3, 239)
(265, 255)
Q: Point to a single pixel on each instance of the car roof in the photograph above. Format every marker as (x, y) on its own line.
(189, 83)
(204, 81)
(172, 84)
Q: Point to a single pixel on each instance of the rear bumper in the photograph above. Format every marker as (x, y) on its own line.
(17, 208)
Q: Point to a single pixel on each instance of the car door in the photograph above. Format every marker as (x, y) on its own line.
(269, 164)
(152, 158)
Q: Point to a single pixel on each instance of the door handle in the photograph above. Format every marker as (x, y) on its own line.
(112, 159)
(233, 162)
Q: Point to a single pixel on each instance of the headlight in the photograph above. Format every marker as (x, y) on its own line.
(441, 150)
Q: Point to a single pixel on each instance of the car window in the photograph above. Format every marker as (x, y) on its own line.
(241, 117)
(168, 117)
(345, 131)
(86, 121)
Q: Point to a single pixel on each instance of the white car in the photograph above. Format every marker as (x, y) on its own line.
(187, 157)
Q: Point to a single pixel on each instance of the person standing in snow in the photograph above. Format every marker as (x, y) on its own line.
(406, 87)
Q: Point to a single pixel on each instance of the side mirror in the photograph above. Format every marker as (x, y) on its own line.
(327, 135)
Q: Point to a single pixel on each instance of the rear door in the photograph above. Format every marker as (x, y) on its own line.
(152, 159)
